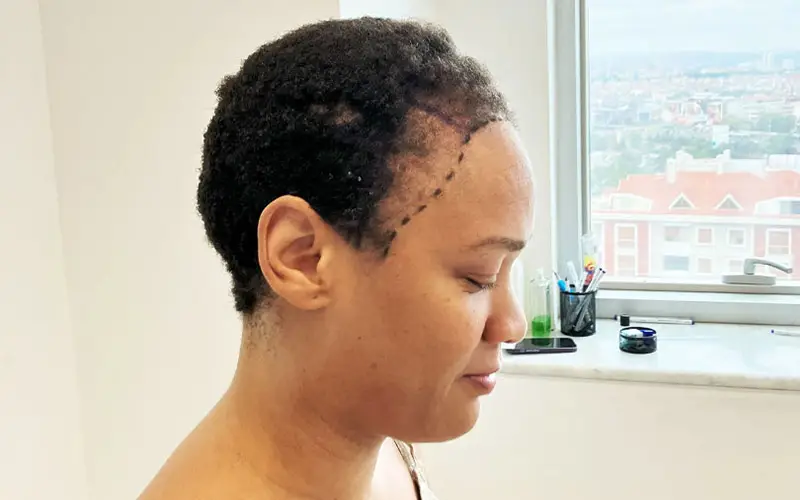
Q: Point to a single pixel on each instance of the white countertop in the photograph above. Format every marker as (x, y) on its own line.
(744, 356)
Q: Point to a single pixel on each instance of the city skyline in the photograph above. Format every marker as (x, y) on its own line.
(639, 26)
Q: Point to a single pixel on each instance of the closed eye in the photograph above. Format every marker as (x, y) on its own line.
(481, 285)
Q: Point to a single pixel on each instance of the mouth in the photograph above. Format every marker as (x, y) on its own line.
(485, 382)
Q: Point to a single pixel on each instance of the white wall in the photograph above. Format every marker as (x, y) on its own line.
(572, 439)
(397, 9)
(41, 454)
(132, 89)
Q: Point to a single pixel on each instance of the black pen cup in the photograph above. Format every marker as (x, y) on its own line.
(578, 313)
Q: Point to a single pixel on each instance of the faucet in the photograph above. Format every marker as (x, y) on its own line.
(749, 276)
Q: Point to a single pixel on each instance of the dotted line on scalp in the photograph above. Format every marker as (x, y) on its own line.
(439, 191)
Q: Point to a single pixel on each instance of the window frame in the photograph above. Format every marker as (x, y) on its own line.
(785, 259)
(679, 226)
(697, 241)
(627, 252)
(697, 260)
(686, 271)
(728, 238)
(571, 177)
(777, 230)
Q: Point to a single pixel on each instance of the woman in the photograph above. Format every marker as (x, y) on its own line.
(368, 196)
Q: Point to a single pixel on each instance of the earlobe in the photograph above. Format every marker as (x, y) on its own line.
(291, 241)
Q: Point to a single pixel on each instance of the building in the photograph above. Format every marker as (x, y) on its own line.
(701, 218)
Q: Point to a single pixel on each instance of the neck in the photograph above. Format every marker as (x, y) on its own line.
(282, 434)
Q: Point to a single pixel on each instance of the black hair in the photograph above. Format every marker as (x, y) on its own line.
(319, 114)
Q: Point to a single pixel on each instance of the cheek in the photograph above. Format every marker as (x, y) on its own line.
(436, 328)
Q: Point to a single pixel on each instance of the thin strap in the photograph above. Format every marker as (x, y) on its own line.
(407, 452)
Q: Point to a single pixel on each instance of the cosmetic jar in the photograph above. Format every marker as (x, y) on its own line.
(638, 340)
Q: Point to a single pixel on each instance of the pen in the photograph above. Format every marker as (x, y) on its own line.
(562, 285)
(660, 321)
(785, 333)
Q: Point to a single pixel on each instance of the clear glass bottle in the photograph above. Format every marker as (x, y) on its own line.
(540, 306)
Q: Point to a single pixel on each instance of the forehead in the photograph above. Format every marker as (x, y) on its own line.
(473, 190)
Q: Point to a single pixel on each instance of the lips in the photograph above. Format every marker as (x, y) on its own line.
(484, 382)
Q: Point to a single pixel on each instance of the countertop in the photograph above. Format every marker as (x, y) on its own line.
(705, 354)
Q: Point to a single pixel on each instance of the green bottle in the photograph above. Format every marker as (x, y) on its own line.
(541, 305)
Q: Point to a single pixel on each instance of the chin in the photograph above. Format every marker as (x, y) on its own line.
(451, 425)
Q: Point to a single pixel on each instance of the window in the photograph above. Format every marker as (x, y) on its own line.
(789, 207)
(625, 237)
(680, 131)
(705, 236)
(626, 250)
(778, 248)
(779, 243)
(664, 132)
(674, 263)
(676, 234)
(736, 238)
(729, 203)
(779, 206)
(681, 203)
(705, 265)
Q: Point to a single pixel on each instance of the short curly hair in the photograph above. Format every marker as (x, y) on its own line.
(319, 114)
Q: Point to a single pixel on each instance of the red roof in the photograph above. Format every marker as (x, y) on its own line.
(706, 190)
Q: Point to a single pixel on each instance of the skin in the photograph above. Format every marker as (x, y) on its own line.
(356, 348)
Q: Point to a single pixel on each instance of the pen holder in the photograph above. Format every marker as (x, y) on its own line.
(578, 314)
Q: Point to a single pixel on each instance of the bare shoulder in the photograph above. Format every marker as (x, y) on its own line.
(201, 469)
(182, 478)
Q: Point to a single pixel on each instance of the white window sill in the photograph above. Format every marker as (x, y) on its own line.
(705, 354)
(703, 306)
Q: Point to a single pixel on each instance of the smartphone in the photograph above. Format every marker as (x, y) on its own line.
(543, 346)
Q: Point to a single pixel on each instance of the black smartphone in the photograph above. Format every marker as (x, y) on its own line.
(543, 346)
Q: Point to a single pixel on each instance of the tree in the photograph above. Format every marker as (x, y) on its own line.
(747, 149)
(782, 145)
(781, 124)
(626, 163)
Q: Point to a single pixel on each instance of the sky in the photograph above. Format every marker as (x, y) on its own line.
(616, 26)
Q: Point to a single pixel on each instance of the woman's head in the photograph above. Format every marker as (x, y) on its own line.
(365, 189)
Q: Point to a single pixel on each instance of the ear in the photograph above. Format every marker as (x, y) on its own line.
(292, 243)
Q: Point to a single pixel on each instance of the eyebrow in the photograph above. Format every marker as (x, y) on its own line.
(511, 244)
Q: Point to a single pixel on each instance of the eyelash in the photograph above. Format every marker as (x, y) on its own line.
(481, 286)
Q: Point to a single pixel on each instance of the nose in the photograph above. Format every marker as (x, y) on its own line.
(507, 321)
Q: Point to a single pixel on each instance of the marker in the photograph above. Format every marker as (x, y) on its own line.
(785, 333)
(587, 281)
(660, 321)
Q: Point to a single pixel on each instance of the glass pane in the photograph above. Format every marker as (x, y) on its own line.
(736, 237)
(694, 132)
(778, 239)
(676, 263)
(705, 236)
